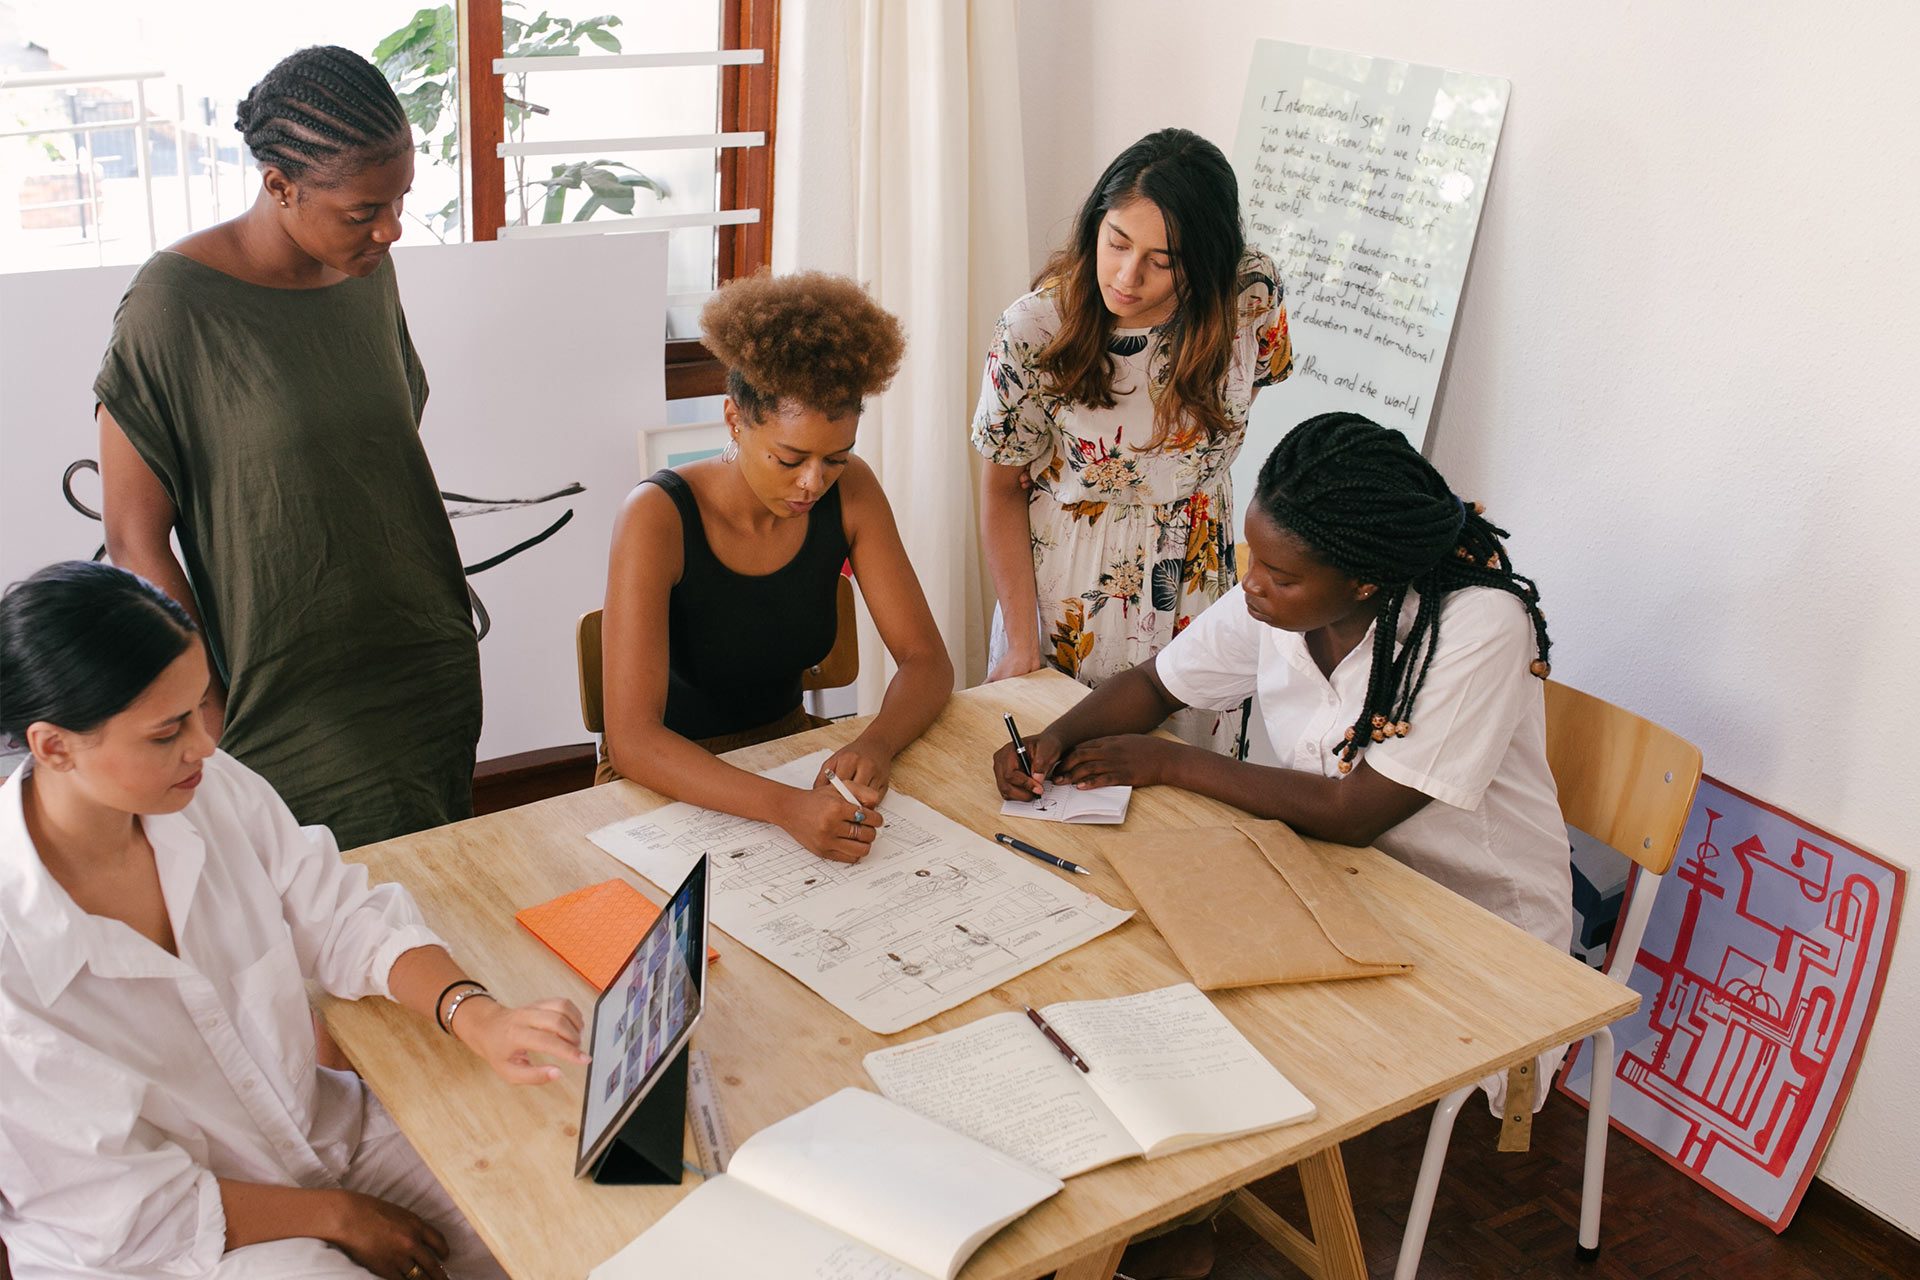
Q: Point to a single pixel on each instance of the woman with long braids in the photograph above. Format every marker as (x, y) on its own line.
(1394, 657)
(1114, 402)
(261, 397)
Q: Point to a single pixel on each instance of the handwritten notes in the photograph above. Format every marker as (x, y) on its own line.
(1363, 179)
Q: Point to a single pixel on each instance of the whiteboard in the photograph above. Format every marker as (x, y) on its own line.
(1363, 178)
(546, 363)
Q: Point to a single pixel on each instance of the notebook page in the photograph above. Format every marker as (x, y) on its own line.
(999, 1081)
(1174, 1070)
(896, 1181)
(726, 1230)
(1064, 802)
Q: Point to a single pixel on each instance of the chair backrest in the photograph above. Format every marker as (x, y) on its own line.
(840, 667)
(1622, 779)
(586, 652)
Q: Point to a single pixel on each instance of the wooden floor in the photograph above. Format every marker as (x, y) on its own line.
(1514, 1216)
(1498, 1217)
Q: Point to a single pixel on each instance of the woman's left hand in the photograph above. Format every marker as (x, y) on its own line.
(508, 1038)
(864, 767)
(1123, 760)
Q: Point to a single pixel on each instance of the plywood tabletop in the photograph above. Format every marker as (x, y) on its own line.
(1482, 995)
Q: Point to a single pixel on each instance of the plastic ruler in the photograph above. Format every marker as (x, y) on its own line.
(711, 1137)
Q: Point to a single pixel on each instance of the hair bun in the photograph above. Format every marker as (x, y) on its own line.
(243, 115)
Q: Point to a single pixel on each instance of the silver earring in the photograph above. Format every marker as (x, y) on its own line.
(731, 450)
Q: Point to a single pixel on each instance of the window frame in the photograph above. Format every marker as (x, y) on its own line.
(748, 103)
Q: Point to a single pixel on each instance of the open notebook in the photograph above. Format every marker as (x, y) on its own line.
(1064, 802)
(853, 1188)
(1167, 1072)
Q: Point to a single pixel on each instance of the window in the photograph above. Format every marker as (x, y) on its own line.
(660, 114)
(116, 126)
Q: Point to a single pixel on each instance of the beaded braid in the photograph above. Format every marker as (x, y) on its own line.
(1368, 504)
(319, 106)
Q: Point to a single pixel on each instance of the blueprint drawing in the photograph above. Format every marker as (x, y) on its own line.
(934, 916)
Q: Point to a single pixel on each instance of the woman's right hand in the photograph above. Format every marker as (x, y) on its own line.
(1044, 750)
(391, 1242)
(823, 822)
(1013, 664)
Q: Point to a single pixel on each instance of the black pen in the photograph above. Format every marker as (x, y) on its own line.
(1046, 1029)
(1019, 747)
(1041, 854)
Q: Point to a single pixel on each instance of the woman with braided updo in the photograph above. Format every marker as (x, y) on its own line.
(1393, 655)
(261, 398)
(723, 581)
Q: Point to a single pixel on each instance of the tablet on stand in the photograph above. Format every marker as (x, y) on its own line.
(633, 1118)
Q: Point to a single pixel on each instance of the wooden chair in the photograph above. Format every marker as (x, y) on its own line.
(840, 667)
(1630, 784)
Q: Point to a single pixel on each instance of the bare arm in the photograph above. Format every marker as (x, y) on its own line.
(139, 518)
(645, 563)
(923, 676)
(1105, 740)
(1006, 535)
(382, 1237)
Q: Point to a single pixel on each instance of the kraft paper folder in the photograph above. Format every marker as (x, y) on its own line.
(1250, 904)
(594, 929)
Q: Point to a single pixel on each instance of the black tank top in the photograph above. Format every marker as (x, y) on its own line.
(738, 643)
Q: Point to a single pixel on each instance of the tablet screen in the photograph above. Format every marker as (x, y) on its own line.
(645, 1015)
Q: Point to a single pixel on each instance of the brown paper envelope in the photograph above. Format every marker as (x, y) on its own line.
(1235, 920)
(1322, 886)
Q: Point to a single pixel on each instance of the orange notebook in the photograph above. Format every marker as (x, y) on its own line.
(594, 929)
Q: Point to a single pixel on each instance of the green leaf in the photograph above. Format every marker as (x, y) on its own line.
(556, 205)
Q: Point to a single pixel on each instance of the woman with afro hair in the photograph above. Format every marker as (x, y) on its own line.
(722, 583)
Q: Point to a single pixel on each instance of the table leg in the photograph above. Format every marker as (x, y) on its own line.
(1098, 1265)
(1330, 1211)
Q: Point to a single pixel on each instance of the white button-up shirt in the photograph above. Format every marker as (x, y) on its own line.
(1477, 743)
(130, 1078)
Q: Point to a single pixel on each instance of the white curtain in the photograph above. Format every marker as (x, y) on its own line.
(898, 161)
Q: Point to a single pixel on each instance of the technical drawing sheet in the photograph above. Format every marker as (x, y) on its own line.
(932, 917)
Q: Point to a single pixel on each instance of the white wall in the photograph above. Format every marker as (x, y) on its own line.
(1686, 373)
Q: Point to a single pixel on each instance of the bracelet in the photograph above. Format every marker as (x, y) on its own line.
(453, 1006)
(445, 1022)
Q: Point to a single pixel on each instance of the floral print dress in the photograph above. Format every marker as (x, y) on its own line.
(1129, 543)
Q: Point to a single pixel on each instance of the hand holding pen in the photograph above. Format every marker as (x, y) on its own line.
(1021, 767)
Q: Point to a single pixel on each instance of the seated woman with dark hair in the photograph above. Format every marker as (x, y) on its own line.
(723, 581)
(161, 912)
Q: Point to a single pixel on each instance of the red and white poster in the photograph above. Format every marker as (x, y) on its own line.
(1759, 975)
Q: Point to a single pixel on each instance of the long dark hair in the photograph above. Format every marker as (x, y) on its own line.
(1193, 186)
(80, 641)
(322, 113)
(1368, 504)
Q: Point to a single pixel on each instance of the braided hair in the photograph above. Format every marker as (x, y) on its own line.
(319, 107)
(1365, 501)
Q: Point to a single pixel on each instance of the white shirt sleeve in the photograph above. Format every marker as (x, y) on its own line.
(123, 1199)
(346, 932)
(1464, 716)
(1215, 662)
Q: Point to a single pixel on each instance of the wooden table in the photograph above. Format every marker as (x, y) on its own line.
(1482, 996)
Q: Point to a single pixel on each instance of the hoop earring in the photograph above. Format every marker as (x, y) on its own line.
(730, 452)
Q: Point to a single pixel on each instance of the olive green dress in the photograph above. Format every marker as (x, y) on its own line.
(284, 425)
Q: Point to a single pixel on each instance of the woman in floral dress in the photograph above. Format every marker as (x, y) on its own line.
(1115, 401)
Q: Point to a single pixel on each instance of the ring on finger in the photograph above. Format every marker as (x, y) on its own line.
(859, 816)
(415, 1273)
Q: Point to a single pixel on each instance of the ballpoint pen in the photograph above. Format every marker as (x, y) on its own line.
(1019, 747)
(1046, 1029)
(1041, 854)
